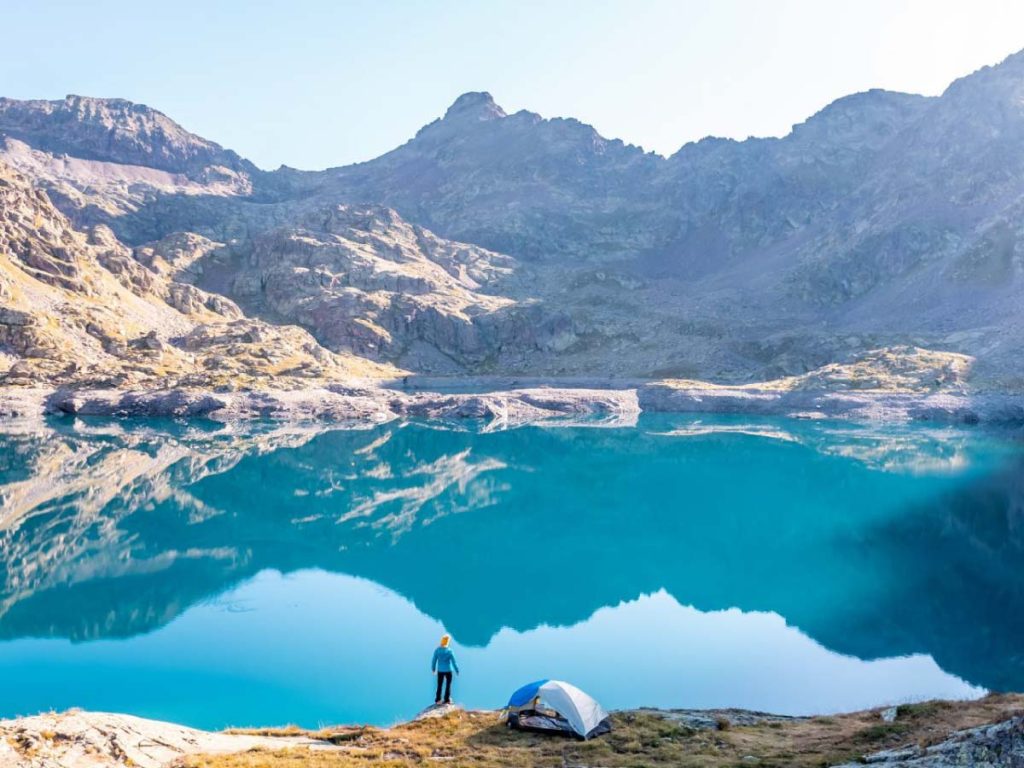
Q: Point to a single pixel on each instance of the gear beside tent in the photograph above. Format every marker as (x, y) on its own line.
(556, 707)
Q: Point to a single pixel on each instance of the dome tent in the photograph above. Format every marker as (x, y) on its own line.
(574, 712)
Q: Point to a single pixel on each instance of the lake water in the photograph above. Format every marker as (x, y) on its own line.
(226, 576)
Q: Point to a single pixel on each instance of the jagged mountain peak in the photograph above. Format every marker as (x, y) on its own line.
(474, 105)
(467, 114)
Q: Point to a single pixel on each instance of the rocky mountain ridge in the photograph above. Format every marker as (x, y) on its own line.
(113, 130)
(494, 243)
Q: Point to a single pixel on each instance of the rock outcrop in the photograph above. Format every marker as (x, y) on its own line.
(894, 384)
(77, 739)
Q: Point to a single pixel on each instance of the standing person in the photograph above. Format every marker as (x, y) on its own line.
(442, 665)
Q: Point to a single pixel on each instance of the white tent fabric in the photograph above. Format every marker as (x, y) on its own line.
(582, 712)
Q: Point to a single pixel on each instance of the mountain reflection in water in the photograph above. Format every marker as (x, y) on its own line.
(873, 542)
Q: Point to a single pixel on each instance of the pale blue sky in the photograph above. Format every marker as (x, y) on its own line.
(315, 83)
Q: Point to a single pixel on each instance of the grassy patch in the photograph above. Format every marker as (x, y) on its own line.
(883, 732)
(332, 735)
(478, 740)
(923, 710)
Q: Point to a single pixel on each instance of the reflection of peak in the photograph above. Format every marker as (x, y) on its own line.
(88, 485)
(635, 510)
(398, 509)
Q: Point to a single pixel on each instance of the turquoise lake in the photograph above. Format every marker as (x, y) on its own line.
(276, 574)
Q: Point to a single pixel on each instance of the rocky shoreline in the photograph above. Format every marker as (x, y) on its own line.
(368, 403)
(880, 406)
(329, 404)
(927, 735)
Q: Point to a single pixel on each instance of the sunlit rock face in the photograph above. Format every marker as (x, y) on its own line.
(510, 243)
(82, 308)
(363, 280)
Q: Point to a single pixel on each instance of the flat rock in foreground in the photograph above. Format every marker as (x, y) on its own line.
(78, 739)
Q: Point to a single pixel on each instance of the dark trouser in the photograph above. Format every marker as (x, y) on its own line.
(446, 678)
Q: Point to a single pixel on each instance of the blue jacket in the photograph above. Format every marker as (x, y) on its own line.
(443, 661)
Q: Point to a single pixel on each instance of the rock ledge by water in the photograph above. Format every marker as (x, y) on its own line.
(920, 736)
(516, 407)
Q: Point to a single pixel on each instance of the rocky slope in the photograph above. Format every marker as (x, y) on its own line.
(79, 307)
(364, 280)
(493, 243)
